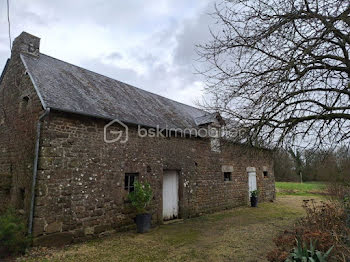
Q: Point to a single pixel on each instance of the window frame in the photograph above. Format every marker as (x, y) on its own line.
(128, 185)
(229, 176)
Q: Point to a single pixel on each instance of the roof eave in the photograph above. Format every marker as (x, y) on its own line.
(34, 84)
(96, 116)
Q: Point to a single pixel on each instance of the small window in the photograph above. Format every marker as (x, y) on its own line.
(227, 176)
(266, 174)
(25, 99)
(130, 178)
(24, 104)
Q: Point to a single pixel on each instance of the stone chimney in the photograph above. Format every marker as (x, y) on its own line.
(27, 44)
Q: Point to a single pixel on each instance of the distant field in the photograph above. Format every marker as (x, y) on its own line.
(301, 189)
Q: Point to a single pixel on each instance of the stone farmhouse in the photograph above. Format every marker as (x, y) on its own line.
(61, 171)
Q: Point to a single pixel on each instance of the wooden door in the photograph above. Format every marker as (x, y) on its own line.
(170, 195)
(252, 181)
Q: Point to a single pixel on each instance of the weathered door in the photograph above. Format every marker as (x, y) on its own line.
(252, 181)
(170, 195)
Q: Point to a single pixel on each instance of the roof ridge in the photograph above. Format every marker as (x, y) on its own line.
(143, 90)
(72, 88)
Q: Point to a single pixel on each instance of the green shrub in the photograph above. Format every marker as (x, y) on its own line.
(254, 193)
(301, 253)
(13, 239)
(141, 196)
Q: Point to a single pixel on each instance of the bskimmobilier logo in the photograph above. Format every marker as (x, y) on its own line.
(117, 131)
(112, 136)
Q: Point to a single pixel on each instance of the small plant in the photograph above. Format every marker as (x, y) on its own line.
(13, 239)
(254, 193)
(301, 253)
(254, 198)
(141, 196)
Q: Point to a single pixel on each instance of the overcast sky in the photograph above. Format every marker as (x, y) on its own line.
(149, 44)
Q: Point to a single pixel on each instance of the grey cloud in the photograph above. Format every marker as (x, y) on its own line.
(115, 56)
(27, 16)
(169, 29)
(196, 31)
(161, 75)
(3, 56)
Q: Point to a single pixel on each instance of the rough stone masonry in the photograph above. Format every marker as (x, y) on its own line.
(80, 188)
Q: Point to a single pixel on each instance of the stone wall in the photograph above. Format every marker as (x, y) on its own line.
(80, 189)
(19, 110)
(81, 178)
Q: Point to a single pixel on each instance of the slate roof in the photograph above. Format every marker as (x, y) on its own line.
(69, 88)
(209, 118)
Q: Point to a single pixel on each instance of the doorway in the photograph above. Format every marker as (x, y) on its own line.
(170, 194)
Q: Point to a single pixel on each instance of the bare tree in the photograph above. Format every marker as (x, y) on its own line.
(284, 166)
(298, 162)
(282, 69)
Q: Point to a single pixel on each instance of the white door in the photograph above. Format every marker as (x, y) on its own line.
(170, 195)
(252, 181)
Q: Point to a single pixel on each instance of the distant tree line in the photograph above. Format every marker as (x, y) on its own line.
(313, 165)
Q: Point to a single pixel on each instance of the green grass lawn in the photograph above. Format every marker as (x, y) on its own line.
(301, 189)
(239, 234)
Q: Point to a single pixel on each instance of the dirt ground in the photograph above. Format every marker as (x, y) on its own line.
(240, 234)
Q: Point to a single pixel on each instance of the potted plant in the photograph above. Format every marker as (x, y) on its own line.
(140, 199)
(254, 198)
